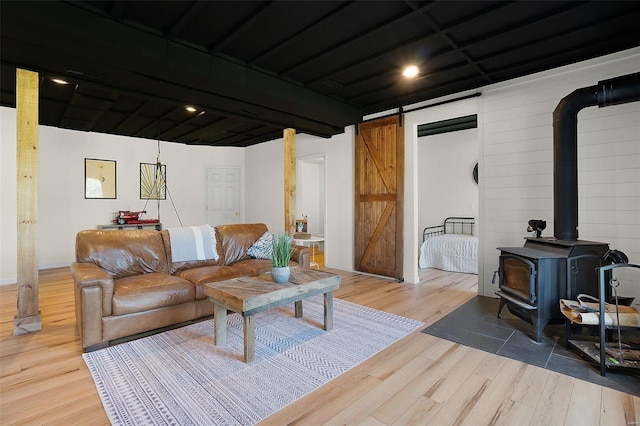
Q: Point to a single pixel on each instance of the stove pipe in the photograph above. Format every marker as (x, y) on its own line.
(614, 91)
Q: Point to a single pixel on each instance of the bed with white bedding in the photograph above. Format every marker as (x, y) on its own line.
(450, 246)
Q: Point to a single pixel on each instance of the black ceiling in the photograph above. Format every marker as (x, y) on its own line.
(253, 68)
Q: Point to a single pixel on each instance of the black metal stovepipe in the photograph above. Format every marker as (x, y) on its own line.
(614, 91)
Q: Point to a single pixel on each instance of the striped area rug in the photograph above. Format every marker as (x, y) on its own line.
(180, 378)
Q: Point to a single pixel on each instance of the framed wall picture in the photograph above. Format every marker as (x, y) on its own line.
(301, 231)
(99, 179)
(153, 181)
(301, 225)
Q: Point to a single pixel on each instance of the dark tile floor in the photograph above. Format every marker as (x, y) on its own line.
(475, 324)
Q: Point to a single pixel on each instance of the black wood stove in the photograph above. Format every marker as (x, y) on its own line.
(535, 277)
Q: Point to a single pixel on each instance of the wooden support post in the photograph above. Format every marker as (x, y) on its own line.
(289, 180)
(28, 318)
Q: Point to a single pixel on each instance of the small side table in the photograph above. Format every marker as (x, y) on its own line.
(312, 243)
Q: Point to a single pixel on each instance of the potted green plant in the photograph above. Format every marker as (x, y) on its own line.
(282, 252)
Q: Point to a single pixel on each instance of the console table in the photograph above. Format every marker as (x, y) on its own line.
(118, 227)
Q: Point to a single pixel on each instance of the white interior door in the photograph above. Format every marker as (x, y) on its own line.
(223, 193)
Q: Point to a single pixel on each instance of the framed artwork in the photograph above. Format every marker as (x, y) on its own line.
(301, 231)
(301, 225)
(153, 181)
(99, 179)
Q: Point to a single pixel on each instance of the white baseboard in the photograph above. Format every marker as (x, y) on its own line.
(14, 280)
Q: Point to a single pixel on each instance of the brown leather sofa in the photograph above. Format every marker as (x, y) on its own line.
(126, 283)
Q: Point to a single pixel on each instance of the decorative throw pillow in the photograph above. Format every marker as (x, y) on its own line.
(263, 247)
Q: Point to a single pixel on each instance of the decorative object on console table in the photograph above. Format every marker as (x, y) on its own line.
(302, 230)
(132, 226)
(282, 252)
(99, 179)
(126, 217)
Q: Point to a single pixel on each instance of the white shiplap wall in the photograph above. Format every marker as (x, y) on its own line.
(517, 162)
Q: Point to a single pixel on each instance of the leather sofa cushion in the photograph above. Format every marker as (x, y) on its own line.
(150, 291)
(122, 253)
(255, 266)
(209, 274)
(234, 240)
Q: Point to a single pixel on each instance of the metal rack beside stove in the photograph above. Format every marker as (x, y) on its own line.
(595, 351)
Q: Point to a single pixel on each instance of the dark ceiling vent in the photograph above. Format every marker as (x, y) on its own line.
(446, 126)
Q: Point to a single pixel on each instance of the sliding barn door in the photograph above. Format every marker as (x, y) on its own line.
(379, 179)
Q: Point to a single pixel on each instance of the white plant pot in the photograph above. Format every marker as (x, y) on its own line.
(280, 274)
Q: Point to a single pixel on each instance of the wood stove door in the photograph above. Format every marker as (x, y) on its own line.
(518, 277)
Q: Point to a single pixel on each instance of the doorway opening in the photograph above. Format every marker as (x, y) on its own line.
(311, 200)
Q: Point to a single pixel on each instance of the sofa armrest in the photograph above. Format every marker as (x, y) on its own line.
(90, 275)
(93, 289)
(302, 255)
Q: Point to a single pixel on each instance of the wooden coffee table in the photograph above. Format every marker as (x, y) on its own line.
(250, 295)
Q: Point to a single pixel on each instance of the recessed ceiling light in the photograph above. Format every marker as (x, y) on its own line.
(411, 71)
(190, 108)
(59, 81)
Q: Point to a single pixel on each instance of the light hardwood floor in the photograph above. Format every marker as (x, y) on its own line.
(419, 380)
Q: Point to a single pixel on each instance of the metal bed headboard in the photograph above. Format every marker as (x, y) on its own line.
(451, 225)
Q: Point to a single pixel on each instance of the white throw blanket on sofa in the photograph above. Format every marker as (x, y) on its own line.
(193, 243)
